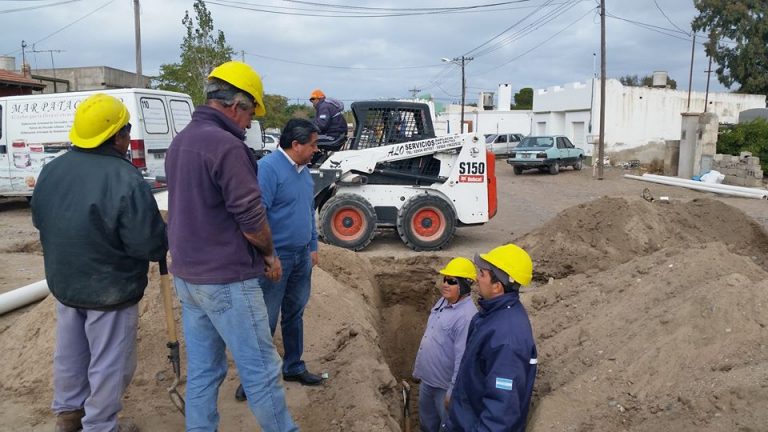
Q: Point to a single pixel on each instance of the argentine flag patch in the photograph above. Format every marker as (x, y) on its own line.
(504, 384)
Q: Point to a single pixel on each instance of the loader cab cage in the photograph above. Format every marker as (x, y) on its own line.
(380, 123)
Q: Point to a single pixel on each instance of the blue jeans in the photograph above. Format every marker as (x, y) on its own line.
(230, 315)
(432, 412)
(288, 297)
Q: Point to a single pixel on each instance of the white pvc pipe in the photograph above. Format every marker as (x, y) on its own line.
(705, 187)
(759, 191)
(23, 296)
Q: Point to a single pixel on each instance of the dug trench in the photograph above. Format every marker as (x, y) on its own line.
(647, 316)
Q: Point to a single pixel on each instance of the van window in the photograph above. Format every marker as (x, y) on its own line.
(153, 111)
(1, 121)
(181, 114)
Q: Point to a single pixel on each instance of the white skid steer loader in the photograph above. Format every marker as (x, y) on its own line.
(394, 173)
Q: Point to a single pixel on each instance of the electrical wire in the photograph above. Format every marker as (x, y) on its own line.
(28, 8)
(330, 5)
(506, 29)
(67, 26)
(343, 67)
(669, 20)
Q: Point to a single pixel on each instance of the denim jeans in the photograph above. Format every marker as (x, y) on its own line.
(230, 315)
(432, 412)
(94, 362)
(287, 298)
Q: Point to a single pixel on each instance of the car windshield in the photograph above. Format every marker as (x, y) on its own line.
(490, 138)
(530, 142)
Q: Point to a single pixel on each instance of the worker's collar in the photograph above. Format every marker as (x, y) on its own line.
(296, 166)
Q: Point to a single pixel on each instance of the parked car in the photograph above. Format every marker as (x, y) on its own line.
(502, 144)
(259, 142)
(547, 153)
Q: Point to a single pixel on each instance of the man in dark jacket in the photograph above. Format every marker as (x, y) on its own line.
(328, 118)
(495, 380)
(99, 226)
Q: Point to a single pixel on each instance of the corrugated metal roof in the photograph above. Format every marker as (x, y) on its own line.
(12, 78)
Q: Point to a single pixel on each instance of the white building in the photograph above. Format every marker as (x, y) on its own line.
(635, 117)
(486, 117)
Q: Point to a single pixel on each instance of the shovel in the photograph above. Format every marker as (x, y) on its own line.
(406, 406)
(173, 337)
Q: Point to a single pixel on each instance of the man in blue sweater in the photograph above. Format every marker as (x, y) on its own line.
(287, 194)
(495, 380)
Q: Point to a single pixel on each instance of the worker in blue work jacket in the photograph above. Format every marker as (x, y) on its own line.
(495, 380)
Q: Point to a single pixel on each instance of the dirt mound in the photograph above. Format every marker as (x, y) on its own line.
(341, 338)
(672, 341)
(610, 231)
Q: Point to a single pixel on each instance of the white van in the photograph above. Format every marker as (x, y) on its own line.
(34, 130)
(261, 143)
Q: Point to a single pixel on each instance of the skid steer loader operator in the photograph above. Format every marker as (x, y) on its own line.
(329, 119)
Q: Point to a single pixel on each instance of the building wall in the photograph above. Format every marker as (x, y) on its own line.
(485, 122)
(635, 116)
(89, 78)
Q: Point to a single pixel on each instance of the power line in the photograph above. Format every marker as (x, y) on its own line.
(350, 12)
(538, 45)
(669, 20)
(343, 67)
(28, 8)
(330, 5)
(68, 25)
(506, 29)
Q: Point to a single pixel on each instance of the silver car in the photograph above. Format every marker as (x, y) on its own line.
(502, 144)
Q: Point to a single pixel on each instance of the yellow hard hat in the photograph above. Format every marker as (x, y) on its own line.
(97, 118)
(512, 260)
(243, 77)
(460, 267)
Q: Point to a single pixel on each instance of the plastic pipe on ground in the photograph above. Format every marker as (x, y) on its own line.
(759, 191)
(23, 296)
(700, 187)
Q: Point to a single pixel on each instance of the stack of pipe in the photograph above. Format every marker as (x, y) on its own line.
(739, 191)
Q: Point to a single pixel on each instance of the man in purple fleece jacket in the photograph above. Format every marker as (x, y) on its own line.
(220, 245)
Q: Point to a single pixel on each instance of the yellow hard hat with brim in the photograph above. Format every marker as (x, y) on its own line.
(512, 260)
(245, 78)
(460, 267)
(97, 118)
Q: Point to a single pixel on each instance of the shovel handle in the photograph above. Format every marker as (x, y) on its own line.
(165, 289)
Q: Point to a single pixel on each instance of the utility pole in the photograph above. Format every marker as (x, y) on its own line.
(242, 55)
(137, 34)
(53, 66)
(690, 71)
(23, 55)
(414, 91)
(601, 144)
(706, 94)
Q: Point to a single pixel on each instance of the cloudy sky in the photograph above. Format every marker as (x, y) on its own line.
(361, 49)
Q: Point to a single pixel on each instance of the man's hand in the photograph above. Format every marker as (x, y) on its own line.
(272, 268)
(315, 258)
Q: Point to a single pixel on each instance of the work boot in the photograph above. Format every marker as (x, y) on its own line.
(69, 421)
(126, 425)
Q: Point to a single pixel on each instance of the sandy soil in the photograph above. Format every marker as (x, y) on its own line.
(648, 316)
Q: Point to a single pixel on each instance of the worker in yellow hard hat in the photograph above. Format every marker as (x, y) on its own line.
(100, 227)
(495, 381)
(221, 246)
(442, 346)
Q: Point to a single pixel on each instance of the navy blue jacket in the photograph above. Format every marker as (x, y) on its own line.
(328, 118)
(495, 381)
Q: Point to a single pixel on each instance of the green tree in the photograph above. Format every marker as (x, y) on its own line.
(646, 81)
(751, 137)
(743, 59)
(524, 99)
(202, 49)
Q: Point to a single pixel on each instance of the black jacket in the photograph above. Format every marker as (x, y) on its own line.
(99, 226)
(329, 118)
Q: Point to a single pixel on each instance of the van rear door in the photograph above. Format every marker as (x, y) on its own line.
(5, 164)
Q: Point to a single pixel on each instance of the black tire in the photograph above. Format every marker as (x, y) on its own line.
(518, 170)
(554, 168)
(426, 223)
(348, 221)
(578, 165)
